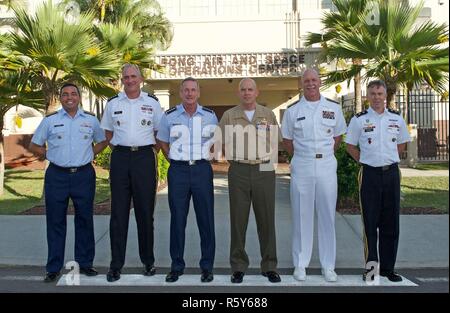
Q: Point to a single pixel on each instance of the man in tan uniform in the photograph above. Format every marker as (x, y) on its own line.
(250, 135)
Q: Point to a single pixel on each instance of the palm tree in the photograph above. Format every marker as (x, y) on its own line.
(58, 51)
(145, 16)
(349, 14)
(396, 50)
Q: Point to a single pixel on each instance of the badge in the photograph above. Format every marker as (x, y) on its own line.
(369, 140)
(118, 123)
(143, 122)
(329, 115)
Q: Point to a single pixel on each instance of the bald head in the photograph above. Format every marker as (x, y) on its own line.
(311, 85)
(247, 81)
(248, 92)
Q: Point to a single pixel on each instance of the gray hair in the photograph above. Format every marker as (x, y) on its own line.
(189, 79)
(133, 66)
(377, 83)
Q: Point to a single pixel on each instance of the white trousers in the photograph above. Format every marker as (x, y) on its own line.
(313, 189)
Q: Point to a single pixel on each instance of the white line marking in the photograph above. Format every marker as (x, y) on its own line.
(432, 279)
(224, 280)
(30, 278)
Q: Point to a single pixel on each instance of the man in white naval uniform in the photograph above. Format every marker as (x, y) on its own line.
(312, 131)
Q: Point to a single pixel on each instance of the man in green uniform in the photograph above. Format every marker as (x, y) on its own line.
(250, 135)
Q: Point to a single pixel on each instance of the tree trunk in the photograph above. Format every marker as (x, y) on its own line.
(390, 100)
(358, 95)
(53, 103)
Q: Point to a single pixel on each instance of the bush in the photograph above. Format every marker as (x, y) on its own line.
(102, 159)
(163, 166)
(347, 173)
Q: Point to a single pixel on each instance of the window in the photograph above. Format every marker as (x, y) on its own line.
(237, 7)
(196, 8)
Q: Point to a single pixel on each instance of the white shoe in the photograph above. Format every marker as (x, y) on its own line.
(300, 274)
(330, 275)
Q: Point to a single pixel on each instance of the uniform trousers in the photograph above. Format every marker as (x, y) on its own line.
(60, 185)
(132, 175)
(248, 185)
(380, 208)
(196, 181)
(313, 189)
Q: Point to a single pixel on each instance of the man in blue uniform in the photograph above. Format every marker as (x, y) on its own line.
(131, 121)
(186, 136)
(69, 134)
(381, 135)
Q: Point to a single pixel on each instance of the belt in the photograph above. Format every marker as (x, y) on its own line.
(71, 169)
(190, 162)
(133, 148)
(252, 162)
(312, 155)
(381, 168)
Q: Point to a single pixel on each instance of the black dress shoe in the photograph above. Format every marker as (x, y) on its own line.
(391, 275)
(113, 275)
(149, 270)
(173, 276)
(206, 277)
(237, 277)
(272, 276)
(51, 276)
(88, 271)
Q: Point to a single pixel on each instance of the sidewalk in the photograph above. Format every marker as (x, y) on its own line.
(424, 239)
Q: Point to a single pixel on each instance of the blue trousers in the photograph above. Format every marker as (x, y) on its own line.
(59, 186)
(196, 181)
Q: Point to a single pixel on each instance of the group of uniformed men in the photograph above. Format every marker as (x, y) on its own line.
(136, 128)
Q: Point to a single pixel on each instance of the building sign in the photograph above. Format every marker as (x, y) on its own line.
(275, 64)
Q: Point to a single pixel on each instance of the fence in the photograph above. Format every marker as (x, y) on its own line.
(429, 111)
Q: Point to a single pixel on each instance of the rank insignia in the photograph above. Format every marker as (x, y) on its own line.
(143, 122)
(149, 123)
(394, 140)
(329, 130)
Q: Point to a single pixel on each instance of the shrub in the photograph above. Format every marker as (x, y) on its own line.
(102, 159)
(347, 173)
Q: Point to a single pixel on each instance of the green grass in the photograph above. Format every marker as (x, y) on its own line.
(425, 192)
(23, 189)
(432, 166)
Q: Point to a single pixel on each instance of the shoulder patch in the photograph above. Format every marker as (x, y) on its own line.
(153, 96)
(331, 100)
(87, 112)
(50, 114)
(291, 105)
(361, 113)
(113, 98)
(394, 111)
(171, 110)
(207, 110)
